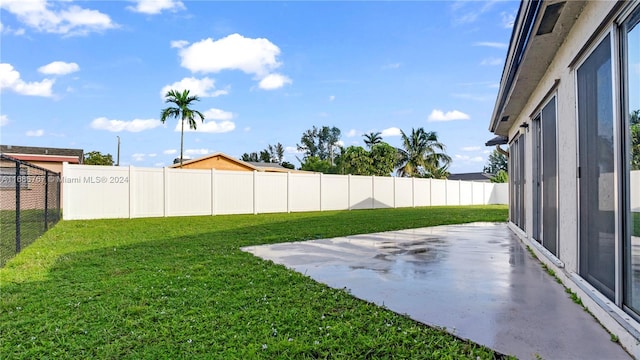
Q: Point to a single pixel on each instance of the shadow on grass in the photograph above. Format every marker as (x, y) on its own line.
(180, 287)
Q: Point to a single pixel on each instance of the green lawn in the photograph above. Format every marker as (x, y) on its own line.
(177, 288)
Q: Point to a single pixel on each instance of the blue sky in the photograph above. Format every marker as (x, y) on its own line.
(78, 74)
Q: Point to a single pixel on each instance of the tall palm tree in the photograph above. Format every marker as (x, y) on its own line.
(422, 155)
(372, 138)
(181, 111)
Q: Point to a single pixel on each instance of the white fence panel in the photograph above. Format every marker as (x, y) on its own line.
(335, 192)
(305, 192)
(233, 192)
(465, 196)
(95, 192)
(403, 192)
(478, 193)
(499, 193)
(99, 192)
(271, 192)
(189, 192)
(635, 191)
(383, 192)
(421, 192)
(361, 192)
(439, 192)
(147, 192)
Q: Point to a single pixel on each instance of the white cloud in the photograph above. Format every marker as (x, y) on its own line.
(152, 155)
(247, 129)
(466, 158)
(340, 143)
(153, 7)
(439, 115)
(4, 120)
(136, 125)
(158, 164)
(196, 151)
(170, 151)
(216, 121)
(497, 45)
(352, 133)
(179, 44)
(491, 61)
(59, 68)
(217, 114)
(234, 52)
(58, 17)
(38, 132)
(508, 19)
(471, 148)
(274, 81)
(10, 79)
(138, 157)
(332, 97)
(392, 131)
(211, 126)
(204, 87)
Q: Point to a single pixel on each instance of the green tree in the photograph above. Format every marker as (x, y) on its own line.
(356, 161)
(500, 177)
(251, 157)
(97, 158)
(182, 111)
(422, 155)
(314, 163)
(320, 142)
(497, 161)
(372, 138)
(383, 158)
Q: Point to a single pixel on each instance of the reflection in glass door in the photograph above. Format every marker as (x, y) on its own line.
(631, 78)
(596, 170)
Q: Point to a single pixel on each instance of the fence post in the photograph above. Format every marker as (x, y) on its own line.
(413, 192)
(213, 192)
(394, 192)
(46, 200)
(288, 191)
(255, 208)
(373, 192)
(349, 191)
(320, 192)
(131, 203)
(18, 184)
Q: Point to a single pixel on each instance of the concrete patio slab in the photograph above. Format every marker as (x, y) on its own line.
(476, 280)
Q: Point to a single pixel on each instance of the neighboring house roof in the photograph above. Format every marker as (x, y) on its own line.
(43, 154)
(476, 176)
(540, 29)
(249, 165)
(498, 140)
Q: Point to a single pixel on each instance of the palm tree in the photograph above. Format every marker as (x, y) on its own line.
(181, 111)
(422, 155)
(372, 138)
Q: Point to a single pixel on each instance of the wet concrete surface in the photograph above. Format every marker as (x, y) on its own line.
(476, 280)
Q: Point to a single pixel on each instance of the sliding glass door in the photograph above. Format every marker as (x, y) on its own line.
(596, 169)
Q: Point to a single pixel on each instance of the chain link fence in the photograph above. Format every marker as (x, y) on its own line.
(29, 204)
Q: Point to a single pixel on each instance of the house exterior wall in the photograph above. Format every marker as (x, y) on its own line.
(567, 148)
(218, 163)
(560, 80)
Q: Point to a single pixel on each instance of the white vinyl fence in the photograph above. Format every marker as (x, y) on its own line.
(101, 192)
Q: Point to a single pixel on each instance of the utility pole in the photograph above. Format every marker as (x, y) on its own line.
(118, 158)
